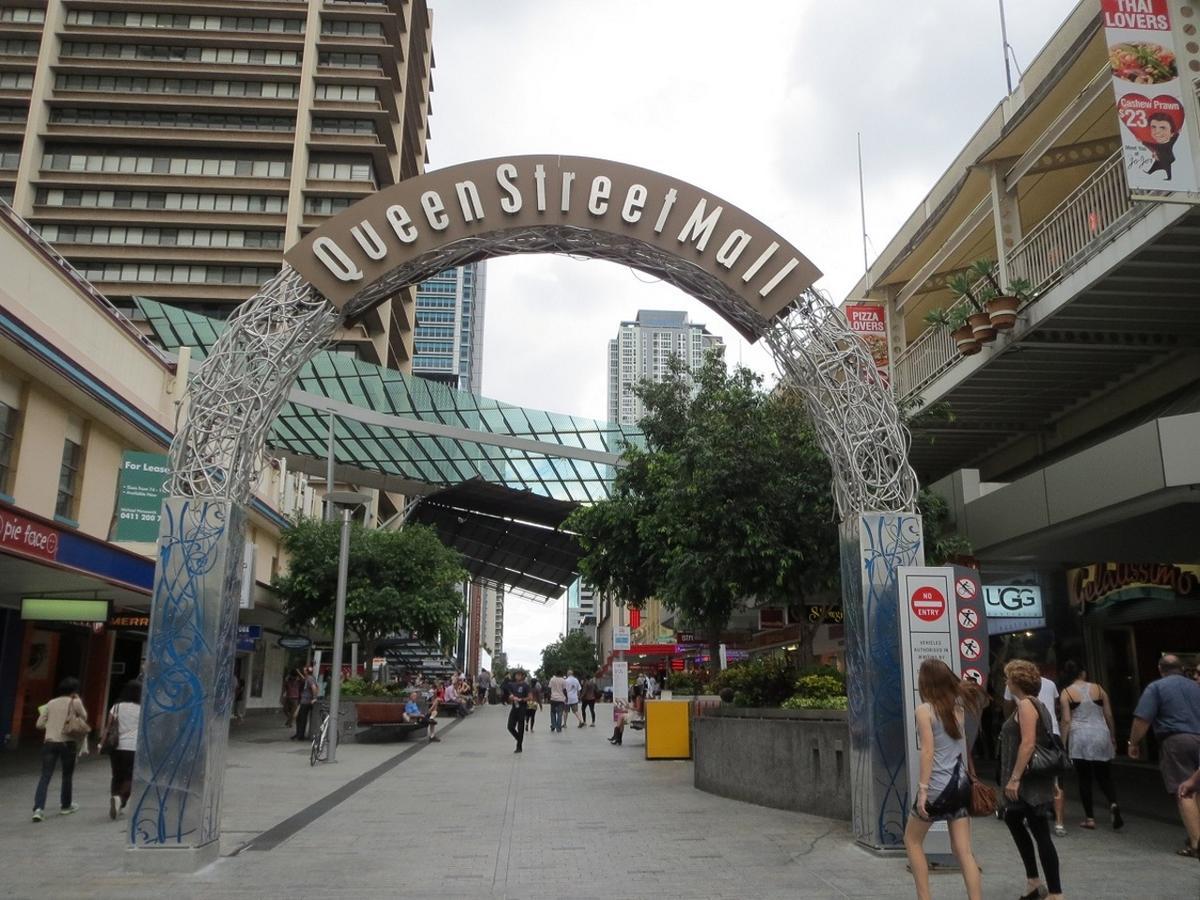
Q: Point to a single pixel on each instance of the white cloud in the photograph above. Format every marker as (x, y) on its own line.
(758, 103)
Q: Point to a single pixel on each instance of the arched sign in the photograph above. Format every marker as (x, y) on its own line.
(592, 208)
(536, 204)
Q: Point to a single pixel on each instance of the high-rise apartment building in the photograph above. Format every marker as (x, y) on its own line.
(448, 345)
(173, 148)
(643, 348)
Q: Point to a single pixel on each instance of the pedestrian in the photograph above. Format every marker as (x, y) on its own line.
(535, 703)
(125, 717)
(588, 697)
(516, 694)
(309, 691)
(558, 699)
(64, 719)
(1090, 736)
(1048, 697)
(485, 682)
(1171, 706)
(1028, 796)
(944, 785)
(289, 697)
(573, 687)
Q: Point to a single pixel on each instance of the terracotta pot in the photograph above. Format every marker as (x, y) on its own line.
(964, 340)
(981, 327)
(1003, 312)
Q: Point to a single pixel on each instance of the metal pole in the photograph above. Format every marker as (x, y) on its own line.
(329, 470)
(339, 634)
(862, 210)
(1004, 38)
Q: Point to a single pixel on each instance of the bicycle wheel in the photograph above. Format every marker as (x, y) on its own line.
(320, 745)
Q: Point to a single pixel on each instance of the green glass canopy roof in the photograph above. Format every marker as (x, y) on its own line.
(435, 460)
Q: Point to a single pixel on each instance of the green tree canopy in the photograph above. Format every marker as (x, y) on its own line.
(730, 501)
(403, 580)
(575, 651)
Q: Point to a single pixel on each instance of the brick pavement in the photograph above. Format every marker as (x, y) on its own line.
(572, 817)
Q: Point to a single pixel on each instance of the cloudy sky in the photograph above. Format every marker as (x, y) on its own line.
(758, 102)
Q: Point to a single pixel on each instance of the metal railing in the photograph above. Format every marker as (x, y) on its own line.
(1059, 243)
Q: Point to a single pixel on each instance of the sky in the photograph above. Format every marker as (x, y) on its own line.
(758, 102)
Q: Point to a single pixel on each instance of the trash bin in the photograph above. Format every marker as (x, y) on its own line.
(668, 729)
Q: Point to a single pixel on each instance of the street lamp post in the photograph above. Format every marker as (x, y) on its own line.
(347, 502)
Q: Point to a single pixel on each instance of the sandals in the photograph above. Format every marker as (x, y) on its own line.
(1186, 850)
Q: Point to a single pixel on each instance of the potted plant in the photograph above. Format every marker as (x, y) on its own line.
(955, 321)
(981, 323)
(1001, 305)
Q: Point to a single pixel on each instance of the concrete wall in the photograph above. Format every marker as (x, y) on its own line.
(786, 759)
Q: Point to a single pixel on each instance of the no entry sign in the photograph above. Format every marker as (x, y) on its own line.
(928, 603)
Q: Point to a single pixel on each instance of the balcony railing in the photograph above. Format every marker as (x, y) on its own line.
(1057, 245)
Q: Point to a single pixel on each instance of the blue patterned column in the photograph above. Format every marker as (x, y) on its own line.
(188, 685)
(873, 547)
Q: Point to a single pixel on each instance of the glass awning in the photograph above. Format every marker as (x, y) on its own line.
(431, 459)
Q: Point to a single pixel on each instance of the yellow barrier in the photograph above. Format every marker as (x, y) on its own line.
(668, 730)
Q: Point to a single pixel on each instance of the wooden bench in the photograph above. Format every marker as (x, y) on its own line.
(383, 721)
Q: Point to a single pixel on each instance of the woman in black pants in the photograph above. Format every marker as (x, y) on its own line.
(1029, 798)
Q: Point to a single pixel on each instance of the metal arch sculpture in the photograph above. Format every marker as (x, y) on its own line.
(569, 205)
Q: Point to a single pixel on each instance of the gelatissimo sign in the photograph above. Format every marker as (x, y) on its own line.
(632, 215)
(1103, 583)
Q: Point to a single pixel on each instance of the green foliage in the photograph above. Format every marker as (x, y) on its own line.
(818, 685)
(730, 499)
(688, 683)
(1021, 289)
(500, 667)
(942, 544)
(937, 318)
(576, 651)
(760, 682)
(986, 269)
(403, 580)
(822, 701)
(963, 287)
(359, 687)
(821, 687)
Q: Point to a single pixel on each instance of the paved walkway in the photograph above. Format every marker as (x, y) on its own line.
(570, 817)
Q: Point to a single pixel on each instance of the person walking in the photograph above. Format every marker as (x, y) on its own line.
(1029, 796)
(1090, 736)
(64, 719)
(125, 717)
(534, 703)
(1171, 706)
(484, 681)
(558, 699)
(516, 694)
(289, 697)
(310, 690)
(573, 688)
(944, 785)
(588, 697)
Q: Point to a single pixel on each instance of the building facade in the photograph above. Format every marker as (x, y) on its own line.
(1072, 460)
(174, 149)
(448, 340)
(643, 349)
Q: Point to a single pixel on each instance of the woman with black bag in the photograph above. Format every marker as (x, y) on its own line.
(120, 743)
(944, 789)
(1031, 756)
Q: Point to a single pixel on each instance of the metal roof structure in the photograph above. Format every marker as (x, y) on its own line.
(448, 436)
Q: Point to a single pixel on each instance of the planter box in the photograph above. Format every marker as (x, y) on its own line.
(796, 759)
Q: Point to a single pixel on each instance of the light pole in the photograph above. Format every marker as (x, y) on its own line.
(347, 502)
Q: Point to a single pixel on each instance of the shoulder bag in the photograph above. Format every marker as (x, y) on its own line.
(112, 733)
(983, 799)
(76, 726)
(1050, 756)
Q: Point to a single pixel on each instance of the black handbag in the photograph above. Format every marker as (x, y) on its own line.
(1050, 756)
(112, 733)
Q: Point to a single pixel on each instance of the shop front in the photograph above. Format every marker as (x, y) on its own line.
(70, 606)
(1133, 613)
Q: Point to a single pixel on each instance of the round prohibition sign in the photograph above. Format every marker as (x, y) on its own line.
(965, 588)
(927, 603)
(968, 619)
(973, 675)
(970, 648)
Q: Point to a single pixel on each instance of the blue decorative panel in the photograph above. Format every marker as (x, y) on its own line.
(188, 682)
(873, 547)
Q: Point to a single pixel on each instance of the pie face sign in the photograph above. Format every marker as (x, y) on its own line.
(568, 204)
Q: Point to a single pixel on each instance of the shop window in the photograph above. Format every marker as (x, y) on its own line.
(9, 416)
(68, 475)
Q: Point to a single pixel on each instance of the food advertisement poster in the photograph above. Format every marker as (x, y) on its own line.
(1157, 139)
(869, 321)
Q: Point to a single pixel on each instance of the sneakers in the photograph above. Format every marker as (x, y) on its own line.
(38, 816)
(593, 725)
(435, 739)
(1114, 812)
(114, 806)
(518, 750)
(67, 810)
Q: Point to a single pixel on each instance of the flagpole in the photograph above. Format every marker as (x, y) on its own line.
(1004, 39)
(862, 210)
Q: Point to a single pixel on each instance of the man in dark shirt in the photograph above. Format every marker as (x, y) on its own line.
(1172, 706)
(516, 694)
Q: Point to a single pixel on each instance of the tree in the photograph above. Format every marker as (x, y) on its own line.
(403, 580)
(500, 667)
(576, 651)
(729, 501)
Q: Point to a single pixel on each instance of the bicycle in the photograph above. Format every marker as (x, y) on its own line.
(320, 741)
